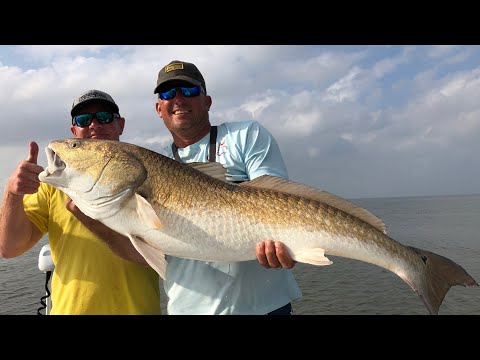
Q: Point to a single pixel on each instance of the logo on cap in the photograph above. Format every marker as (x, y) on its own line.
(173, 67)
(92, 95)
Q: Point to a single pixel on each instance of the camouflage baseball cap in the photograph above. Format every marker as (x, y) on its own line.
(180, 70)
(92, 95)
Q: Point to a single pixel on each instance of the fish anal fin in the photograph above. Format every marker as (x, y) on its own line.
(314, 256)
(154, 257)
(147, 214)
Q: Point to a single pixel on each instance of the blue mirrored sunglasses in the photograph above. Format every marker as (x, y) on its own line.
(186, 91)
(103, 117)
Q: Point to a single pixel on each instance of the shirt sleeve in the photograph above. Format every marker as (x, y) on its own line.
(262, 153)
(36, 207)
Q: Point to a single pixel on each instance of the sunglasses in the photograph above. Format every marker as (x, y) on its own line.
(103, 117)
(186, 91)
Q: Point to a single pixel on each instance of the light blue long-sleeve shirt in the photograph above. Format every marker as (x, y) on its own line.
(247, 150)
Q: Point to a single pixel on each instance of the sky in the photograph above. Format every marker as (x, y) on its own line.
(356, 121)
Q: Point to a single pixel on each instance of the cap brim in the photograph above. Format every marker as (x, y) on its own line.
(178, 77)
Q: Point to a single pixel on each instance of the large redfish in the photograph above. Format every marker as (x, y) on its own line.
(191, 211)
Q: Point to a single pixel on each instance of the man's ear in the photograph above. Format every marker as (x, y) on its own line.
(208, 102)
(122, 124)
(158, 108)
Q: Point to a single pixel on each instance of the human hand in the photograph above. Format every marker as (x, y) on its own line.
(89, 223)
(70, 205)
(24, 179)
(273, 254)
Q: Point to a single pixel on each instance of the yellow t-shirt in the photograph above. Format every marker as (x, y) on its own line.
(88, 277)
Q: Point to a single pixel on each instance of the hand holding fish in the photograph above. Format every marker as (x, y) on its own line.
(118, 243)
(273, 255)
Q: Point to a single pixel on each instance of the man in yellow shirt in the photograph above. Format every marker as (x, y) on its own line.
(89, 278)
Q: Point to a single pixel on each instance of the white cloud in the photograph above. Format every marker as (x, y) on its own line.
(347, 118)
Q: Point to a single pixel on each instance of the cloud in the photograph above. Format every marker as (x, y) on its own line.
(358, 121)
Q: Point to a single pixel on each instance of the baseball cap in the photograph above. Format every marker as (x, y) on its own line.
(180, 70)
(92, 95)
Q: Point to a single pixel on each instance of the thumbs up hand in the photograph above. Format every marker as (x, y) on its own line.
(33, 153)
(24, 179)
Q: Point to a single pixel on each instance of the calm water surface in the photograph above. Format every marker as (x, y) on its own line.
(446, 225)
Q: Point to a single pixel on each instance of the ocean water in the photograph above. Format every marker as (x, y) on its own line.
(446, 225)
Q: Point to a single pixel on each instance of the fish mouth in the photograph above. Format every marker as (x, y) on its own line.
(55, 164)
(59, 175)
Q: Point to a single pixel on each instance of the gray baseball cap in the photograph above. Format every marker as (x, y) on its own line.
(179, 70)
(93, 95)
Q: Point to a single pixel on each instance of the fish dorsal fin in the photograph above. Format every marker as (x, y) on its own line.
(213, 169)
(294, 188)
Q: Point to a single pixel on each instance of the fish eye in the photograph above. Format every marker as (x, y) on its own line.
(74, 144)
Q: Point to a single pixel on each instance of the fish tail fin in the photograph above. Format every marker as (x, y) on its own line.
(440, 275)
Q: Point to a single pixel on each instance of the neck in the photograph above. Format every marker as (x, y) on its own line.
(185, 139)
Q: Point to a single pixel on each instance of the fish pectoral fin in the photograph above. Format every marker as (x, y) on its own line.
(313, 256)
(146, 213)
(154, 257)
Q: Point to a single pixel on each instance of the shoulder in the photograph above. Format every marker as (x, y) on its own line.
(243, 129)
(44, 190)
(51, 191)
(240, 125)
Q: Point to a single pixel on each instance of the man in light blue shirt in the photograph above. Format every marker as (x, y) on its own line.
(246, 150)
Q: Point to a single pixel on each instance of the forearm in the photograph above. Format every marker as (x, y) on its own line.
(17, 233)
(118, 243)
